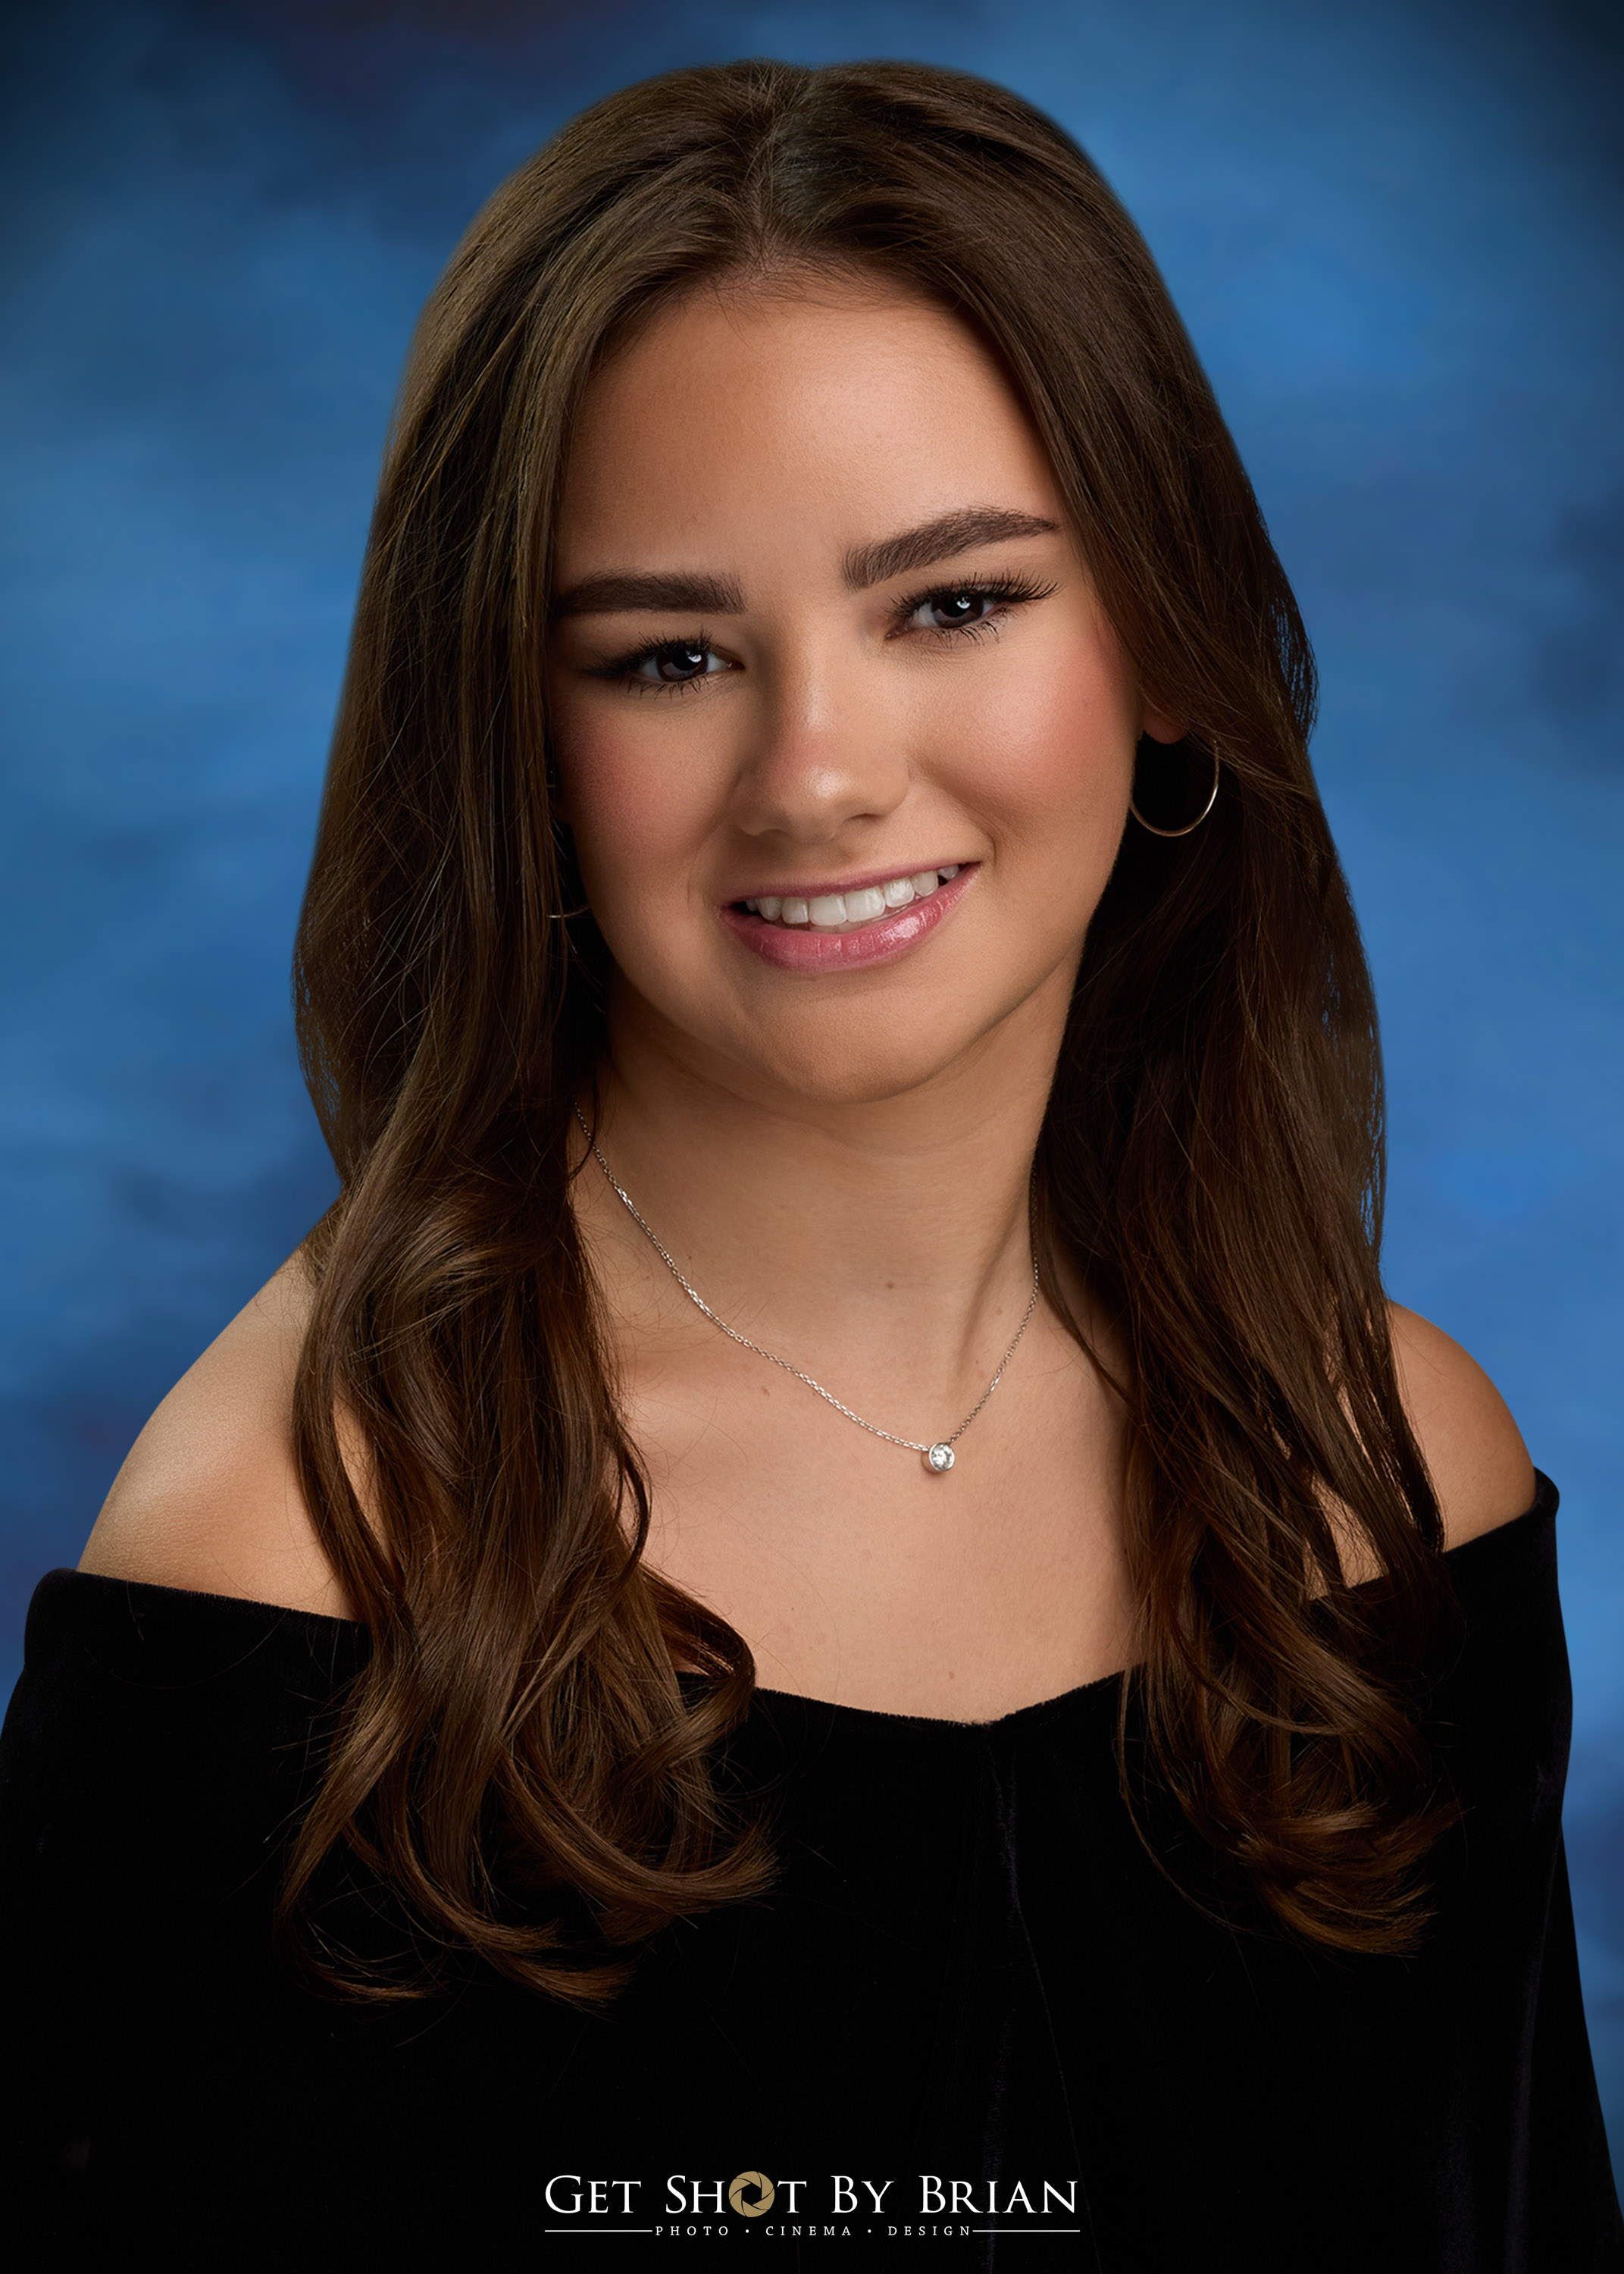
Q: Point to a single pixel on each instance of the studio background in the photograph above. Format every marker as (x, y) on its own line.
(1393, 228)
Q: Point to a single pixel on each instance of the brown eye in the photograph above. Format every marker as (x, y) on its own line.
(948, 609)
(954, 611)
(677, 661)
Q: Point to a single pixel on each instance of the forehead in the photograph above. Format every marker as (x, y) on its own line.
(821, 416)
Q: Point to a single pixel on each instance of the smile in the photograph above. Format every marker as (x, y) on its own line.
(844, 911)
(821, 933)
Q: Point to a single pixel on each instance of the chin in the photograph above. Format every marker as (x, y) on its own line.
(855, 1060)
(864, 1081)
(863, 1040)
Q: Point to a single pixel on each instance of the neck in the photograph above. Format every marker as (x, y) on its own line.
(887, 1238)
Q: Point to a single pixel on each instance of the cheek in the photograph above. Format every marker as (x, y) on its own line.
(633, 818)
(1047, 756)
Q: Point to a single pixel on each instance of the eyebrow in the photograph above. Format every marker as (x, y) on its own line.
(680, 591)
(949, 534)
(653, 593)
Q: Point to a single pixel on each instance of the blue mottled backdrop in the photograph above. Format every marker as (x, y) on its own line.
(1393, 226)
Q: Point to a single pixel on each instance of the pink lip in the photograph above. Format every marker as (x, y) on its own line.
(800, 949)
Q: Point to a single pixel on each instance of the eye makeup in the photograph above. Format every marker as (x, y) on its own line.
(689, 658)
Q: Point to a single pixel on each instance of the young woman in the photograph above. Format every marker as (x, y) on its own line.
(828, 1606)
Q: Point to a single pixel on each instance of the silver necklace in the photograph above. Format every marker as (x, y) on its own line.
(938, 1458)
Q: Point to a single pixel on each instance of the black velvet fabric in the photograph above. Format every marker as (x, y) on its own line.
(970, 1971)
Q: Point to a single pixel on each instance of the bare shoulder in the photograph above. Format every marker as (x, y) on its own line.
(1480, 1467)
(209, 1498)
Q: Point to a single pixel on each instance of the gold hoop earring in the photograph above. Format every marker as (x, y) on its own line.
(1211, 800)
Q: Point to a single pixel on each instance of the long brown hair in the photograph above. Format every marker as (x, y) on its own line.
(518, 1757)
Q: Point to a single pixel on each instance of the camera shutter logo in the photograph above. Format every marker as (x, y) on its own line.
(758, 2179)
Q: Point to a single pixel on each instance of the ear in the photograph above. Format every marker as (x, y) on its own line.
(1162, 725)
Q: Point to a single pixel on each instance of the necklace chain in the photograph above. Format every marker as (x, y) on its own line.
(938, 1457)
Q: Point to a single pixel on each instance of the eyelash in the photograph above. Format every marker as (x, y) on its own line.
(1010, 591)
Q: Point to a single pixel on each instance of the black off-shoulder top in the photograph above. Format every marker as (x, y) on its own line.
(972, 2024)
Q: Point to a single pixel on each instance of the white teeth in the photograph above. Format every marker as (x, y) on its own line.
(832, 911)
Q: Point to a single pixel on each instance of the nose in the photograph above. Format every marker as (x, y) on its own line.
(824, 751)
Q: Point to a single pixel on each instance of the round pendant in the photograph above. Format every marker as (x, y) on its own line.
(939, 1460)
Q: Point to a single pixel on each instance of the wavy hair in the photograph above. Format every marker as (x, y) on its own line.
(518, 1758)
